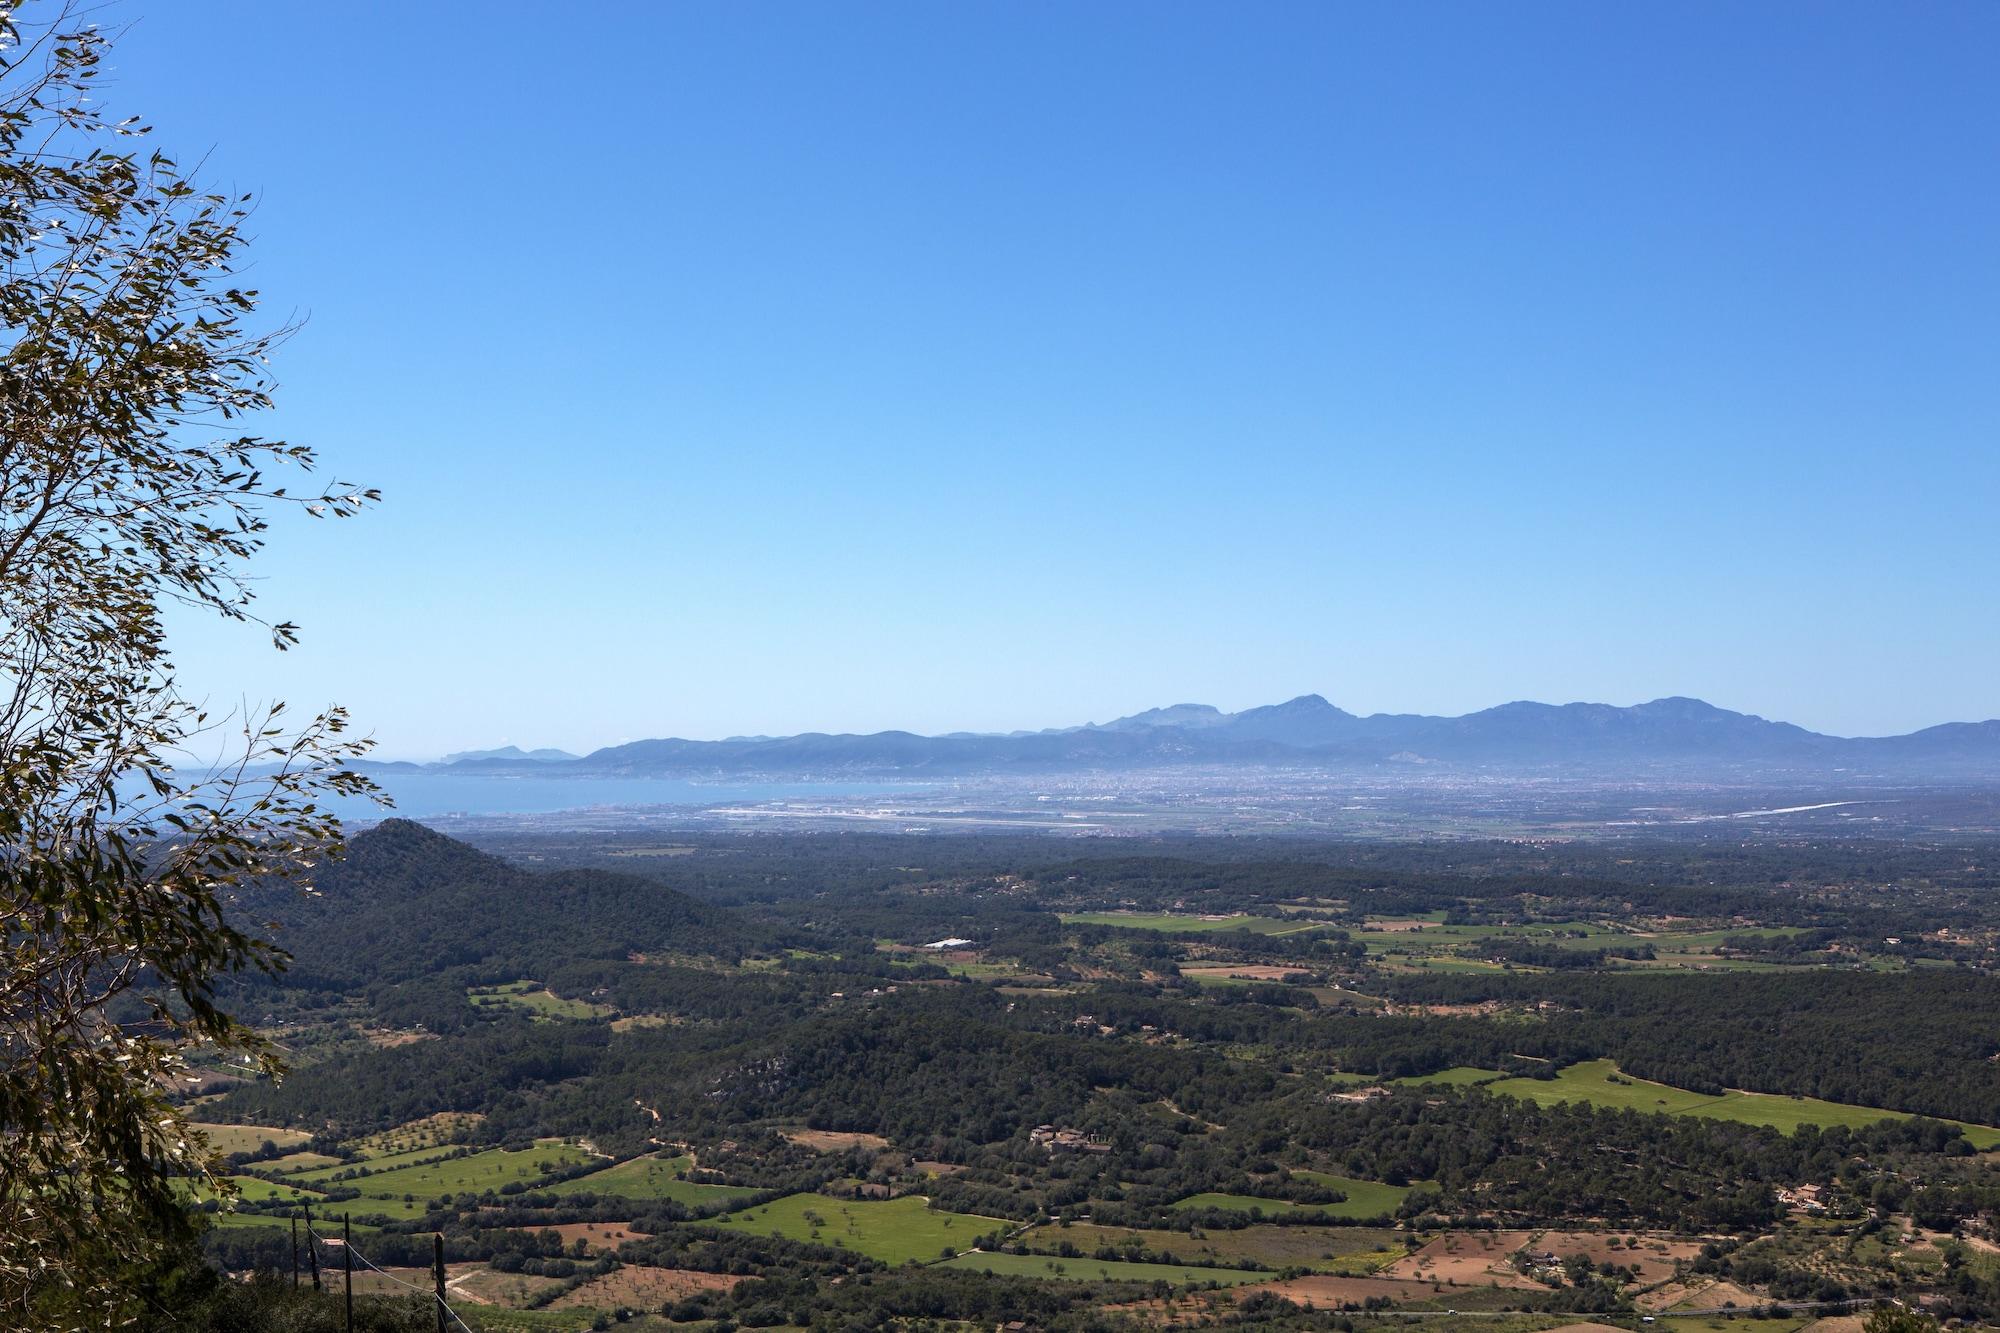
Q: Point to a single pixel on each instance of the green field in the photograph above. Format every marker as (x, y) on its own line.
(249, 1189)
(894, 1231)
(321, 1175)
(1591, 1082)
(650, 1178)
(1436, 946)
(1365, 1198)
(1442, 963)
(1167, 921)
(402, 1185)
(531, 996)
(1464, 1076)
(252, 1190)
(1569, 934)
(425, 1173)
(983, 971)
(1100, 1270)
(478, 1172)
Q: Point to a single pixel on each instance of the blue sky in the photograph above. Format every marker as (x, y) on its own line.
(758, 368)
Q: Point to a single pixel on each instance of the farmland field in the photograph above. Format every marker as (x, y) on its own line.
(1435, 946)
(1463, 1076)
(432, 1131)
(1240, 974)
(1365, 1199)
(1592, 1082)
(381, 1165)
(1468, 1258)
(1236, 1203)
(894, 1231)
(530, 995)
(649, 1178)
(1099, 1270)
(427, 1173)
(227, 1139)
(633, 1286)
(296, 1161)
(253, 1190)
(1168, 921)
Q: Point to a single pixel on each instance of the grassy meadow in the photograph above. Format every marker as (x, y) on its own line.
(650, 1178)
(894, 1231)
(1600, 1083)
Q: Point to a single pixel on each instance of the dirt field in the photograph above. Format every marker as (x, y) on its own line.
(1838, 1323)
(385, 1038)
(1243, 971)
(642, 1288)
(1673, 1293)
(367, 1282)
(249, 1138)
(1698, 1294)
(444, 1127)
(1469, 1259)
(835, 1140)
(630, 1021)
(1327, 1291)
(601, 1237)
(1654, 1256)
(487, 1287)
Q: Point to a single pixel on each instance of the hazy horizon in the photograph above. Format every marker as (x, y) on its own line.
(531, 742)
(993, 368)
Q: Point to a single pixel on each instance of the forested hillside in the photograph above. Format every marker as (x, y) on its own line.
(781, 1056)
(406, 903)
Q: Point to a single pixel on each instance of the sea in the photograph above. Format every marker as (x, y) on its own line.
(435, 795)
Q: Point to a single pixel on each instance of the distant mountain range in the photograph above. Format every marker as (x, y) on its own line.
(510, 754)
(1678, 734)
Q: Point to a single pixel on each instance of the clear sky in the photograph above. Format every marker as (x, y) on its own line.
(765, 367)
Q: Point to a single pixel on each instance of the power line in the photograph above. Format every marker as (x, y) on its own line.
(411, 1286)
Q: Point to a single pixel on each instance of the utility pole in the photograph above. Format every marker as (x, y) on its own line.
(437, 1273)
(347, 1257)
(312, 1248)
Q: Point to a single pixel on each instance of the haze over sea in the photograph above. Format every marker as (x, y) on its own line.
(423, 795)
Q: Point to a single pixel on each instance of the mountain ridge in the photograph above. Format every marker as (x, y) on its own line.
(1675, 731)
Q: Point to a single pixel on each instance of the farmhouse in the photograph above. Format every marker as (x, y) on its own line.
(953, 943)
(1066, 1140)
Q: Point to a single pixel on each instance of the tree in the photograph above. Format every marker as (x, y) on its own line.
(127, 486)
(1893, 1319)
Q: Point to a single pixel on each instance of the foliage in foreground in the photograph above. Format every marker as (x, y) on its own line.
(126, 486)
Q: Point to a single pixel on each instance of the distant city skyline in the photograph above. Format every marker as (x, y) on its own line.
(985, 367)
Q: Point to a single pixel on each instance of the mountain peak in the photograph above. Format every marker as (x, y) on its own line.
(1173, 715)
(1310, 703)
(509, 754)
